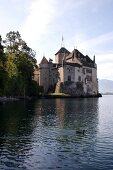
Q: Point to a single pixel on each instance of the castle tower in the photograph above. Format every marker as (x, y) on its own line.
(61, 55)
(44, 74)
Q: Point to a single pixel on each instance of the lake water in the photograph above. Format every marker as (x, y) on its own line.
(48, 134)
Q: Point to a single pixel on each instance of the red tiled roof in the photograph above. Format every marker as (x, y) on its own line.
(44, 61)
(63, 50)
(74, 60)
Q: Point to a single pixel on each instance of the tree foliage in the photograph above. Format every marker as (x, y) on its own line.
(17, 66)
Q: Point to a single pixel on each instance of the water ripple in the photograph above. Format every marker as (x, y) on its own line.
(48, 134)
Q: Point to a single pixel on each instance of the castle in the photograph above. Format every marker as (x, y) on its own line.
(72, 73)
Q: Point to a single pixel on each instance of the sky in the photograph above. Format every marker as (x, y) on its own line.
(84, 24)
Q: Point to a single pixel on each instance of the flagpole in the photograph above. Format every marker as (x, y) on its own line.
(62, 44)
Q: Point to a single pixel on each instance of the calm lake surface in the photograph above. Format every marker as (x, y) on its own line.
(48, 134)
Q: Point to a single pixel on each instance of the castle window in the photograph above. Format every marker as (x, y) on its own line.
(89, 70)
(89, 78)
(83, 70)
(79, 78)
(84, 59)
(69, 78)
(68, 68)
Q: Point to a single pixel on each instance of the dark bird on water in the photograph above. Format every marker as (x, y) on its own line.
(80, 132)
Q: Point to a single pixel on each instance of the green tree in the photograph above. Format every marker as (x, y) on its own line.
(17, 66)
(12, 42)
(3, 73)
(20, 66)
(15, 44)
(25, 65)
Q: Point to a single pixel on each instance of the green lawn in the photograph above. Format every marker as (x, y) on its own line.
(58, 94)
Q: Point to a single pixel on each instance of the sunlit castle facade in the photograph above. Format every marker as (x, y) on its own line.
(72, 73)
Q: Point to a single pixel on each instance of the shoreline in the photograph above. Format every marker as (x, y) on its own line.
(61, 96)
(5, 99)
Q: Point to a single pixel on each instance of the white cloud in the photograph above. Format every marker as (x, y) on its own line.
(91, 43)
(105, 65)
(104, 58)
(41, 13)
(105, 71)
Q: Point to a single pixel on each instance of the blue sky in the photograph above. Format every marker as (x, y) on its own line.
(85, 24)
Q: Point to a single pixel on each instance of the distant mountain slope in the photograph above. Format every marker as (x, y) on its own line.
(105, 86)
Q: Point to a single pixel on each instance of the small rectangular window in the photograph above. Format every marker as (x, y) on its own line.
(69, 78)
(79, 78)
(89, 70)
(83, 70)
